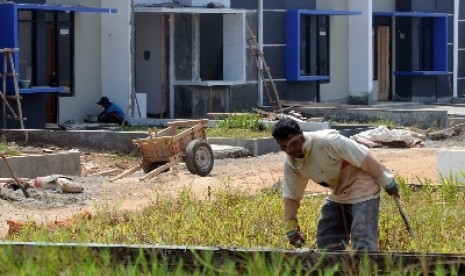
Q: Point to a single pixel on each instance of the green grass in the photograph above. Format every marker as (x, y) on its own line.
(83, 261)
(7, 149)
(230, 218)
(234, 126)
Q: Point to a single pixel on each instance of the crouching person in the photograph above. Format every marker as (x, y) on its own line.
(353, 175)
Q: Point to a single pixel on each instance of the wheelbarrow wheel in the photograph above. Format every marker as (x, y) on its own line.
(199, 157)
(148, 167)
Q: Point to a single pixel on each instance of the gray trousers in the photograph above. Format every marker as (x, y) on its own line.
(340, 223)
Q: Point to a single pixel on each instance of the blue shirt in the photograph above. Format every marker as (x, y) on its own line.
(112, 108)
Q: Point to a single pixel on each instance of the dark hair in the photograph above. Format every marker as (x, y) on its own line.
(103, 100)
(285, 128)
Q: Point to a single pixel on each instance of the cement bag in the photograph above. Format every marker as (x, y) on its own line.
(67, 186)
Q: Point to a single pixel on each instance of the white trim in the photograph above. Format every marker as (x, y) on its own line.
(274, 45)
(456, 45)
(274, 10)
(207, 83)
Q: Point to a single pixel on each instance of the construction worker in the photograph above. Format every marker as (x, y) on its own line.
(111, 112)
(353, 175)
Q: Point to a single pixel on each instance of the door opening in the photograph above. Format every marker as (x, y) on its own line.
(383, 62)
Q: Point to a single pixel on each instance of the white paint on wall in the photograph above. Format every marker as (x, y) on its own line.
(116, 57)
(234, 47)
(337, 88)
(87, 71)
(360, 49)
(149, 69)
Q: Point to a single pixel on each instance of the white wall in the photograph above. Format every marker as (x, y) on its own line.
(360, 49)
(337, 88)
(116, 58)
(86, 67)
(149, 73)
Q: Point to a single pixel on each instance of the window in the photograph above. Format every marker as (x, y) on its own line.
(214, 57)
(60, 51)
(322, 45)
(50, 57)
(313, 46)
(308, 44)
(424, 58)
(424, 36)
(26, 46)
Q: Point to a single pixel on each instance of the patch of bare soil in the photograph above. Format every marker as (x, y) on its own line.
(249, 174)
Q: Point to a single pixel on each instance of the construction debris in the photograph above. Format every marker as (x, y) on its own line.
(272, 116)
(383, 136)
(447, 132)
(58, 182)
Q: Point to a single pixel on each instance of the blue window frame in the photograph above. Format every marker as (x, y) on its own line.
(11, 22)
(430, 34)
(307, 44)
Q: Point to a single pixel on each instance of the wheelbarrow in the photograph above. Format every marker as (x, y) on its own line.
(166, 148)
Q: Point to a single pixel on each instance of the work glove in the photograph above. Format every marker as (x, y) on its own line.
(292, 229)
(392, 189)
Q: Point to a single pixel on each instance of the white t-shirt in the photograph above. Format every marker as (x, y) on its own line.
(349, 169)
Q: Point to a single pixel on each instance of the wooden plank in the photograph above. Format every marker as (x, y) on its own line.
(158, 170)
(127, 172)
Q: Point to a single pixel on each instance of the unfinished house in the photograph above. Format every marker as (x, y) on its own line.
(192, 57)
(187, 58)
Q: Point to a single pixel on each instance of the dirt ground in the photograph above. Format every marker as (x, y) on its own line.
(249, 174)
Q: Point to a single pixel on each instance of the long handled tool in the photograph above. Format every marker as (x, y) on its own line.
(404, 217)
(23, 189)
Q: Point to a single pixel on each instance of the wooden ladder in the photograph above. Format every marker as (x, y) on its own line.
(265, 72)
(7, 54)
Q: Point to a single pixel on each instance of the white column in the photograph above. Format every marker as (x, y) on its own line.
(456, 47)
(361, 50)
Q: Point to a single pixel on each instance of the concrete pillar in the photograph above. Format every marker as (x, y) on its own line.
(451, 164)
(195, 47)
(360, 53)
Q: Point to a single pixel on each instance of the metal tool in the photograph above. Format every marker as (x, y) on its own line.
(18, 182)
(404, 217)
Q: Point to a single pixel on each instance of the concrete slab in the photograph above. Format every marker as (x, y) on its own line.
(451, 165)
(227, 151)
(32, 166)
(255, 146)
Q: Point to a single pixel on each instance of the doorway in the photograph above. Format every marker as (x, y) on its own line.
(383, 62)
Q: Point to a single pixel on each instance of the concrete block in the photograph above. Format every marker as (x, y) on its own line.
(32, 166)
(451, 165)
